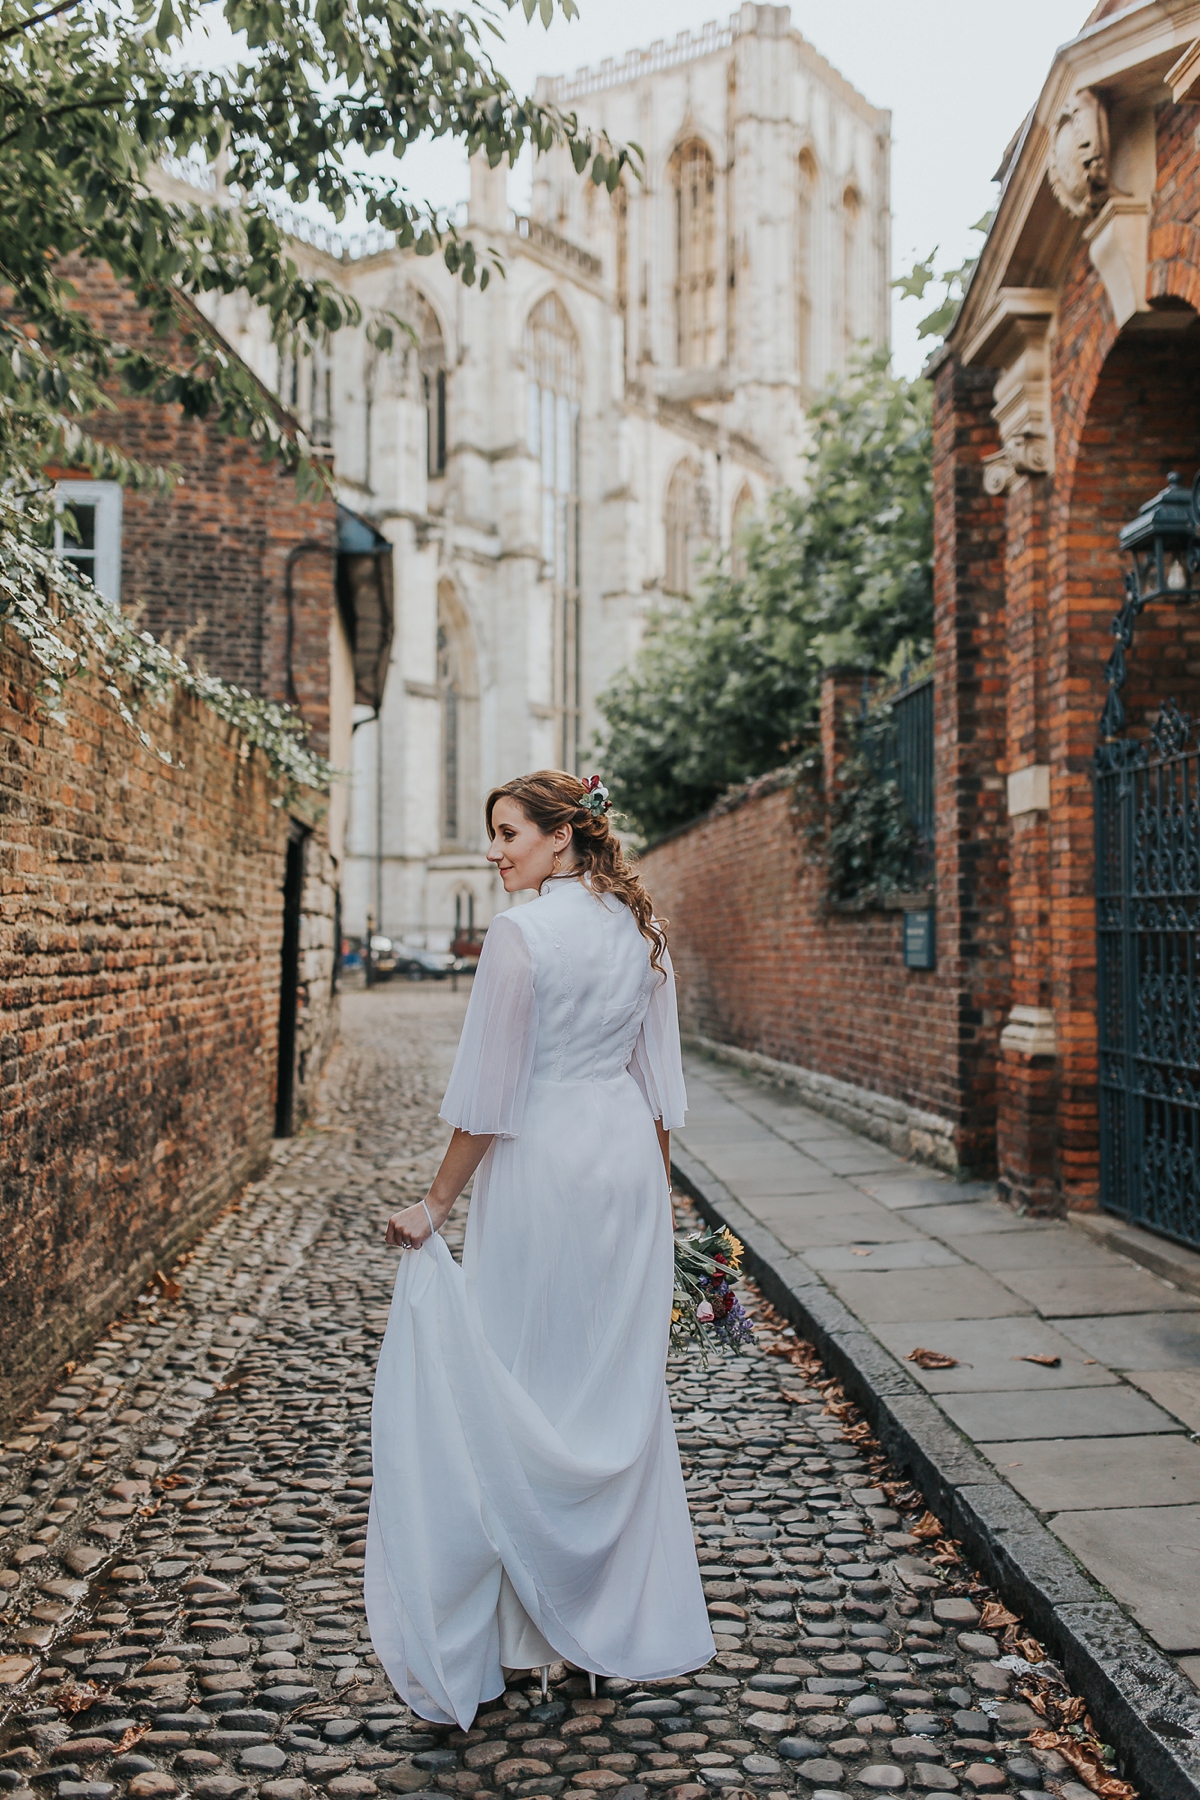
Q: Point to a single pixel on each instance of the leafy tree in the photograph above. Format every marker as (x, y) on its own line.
(330, 94)
(94, 95)
(723, 687)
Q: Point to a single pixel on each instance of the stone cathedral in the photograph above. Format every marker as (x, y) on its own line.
(553, 458)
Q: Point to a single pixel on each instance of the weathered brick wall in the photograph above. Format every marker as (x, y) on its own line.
(139, 994)
(210, 564)
(762, 965)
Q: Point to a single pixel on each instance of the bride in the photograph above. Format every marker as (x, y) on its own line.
(528, 1500)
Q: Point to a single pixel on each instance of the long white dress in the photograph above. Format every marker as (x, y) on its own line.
(528, 1502)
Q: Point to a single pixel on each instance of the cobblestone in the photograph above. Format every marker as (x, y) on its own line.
(182, 1533)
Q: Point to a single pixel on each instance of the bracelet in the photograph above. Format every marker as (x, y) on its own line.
(429, 1216)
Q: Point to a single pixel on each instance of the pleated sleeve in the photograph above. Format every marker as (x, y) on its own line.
(490, 1077)
(657, 1064)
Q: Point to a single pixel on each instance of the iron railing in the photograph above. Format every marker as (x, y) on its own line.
(900, 748)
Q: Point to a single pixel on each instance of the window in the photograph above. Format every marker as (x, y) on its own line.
(432, 357)
(851, 218)
(306, 389)
(806, 200)
(693, 179)
(93, 541)
(552, 429)
(620, 203)
(451, 770)
(688, 528)
(460, 738)
(743, 512)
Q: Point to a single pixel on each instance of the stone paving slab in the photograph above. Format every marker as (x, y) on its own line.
(1068, 1474)
(939, 1293)
(1037, 1246)
(992, 1355)
(1081, 1291)
(861, 1258)
(183, 1539)
(1148, 1341)
(1096, 1412)
(1176, 1389)
(1149, 1559)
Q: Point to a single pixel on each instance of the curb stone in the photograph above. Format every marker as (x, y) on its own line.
(1150, 1709)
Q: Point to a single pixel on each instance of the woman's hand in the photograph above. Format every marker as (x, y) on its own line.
(409, 1229)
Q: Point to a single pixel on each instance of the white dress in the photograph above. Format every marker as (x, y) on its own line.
(528, 1502)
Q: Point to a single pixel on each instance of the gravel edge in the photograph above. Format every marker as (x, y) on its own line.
(1151, 1711)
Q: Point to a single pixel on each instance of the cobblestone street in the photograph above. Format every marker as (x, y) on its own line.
(183, 1533)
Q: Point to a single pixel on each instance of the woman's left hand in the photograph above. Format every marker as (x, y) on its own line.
(409, 1229)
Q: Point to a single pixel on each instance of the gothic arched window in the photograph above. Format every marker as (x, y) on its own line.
(743, 512)
(694, 182)
(688, 528)
(458, 692)
(552, 414)
(306, 387)
(806, 208)
(432, 359)
(851, 222)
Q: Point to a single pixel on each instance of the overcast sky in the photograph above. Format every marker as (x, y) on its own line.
(958, 76)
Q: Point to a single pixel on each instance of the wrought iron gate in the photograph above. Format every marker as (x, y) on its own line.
(1148, 975)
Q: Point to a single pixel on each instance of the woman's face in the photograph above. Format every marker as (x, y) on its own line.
(523, 854)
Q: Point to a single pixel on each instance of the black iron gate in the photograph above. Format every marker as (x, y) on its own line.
(1148, 973)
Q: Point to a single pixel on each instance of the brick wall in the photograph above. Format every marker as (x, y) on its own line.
(763, 966)
(139, 993)
(141, 905)
(211, 564)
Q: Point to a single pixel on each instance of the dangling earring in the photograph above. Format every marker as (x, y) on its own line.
(554, 866)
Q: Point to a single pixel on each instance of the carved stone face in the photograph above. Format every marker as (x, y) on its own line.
(1079, 155)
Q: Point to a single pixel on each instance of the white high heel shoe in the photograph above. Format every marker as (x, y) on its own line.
(545, 1683)
(592, 1682)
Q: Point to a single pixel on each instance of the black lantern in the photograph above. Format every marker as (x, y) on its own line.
(1162, 545)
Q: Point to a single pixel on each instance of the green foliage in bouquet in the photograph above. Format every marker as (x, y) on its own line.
(705, 1311)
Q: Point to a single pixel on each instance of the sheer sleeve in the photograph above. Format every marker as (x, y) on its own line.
(490, 1077)
(657, 1064)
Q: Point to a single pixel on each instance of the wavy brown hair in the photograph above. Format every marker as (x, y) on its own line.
(550, 798)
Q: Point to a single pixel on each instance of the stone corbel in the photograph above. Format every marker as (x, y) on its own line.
(1118, 243)
(1030, 1032)
(1014, 339)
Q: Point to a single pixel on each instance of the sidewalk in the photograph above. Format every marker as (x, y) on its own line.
(1096, 1438)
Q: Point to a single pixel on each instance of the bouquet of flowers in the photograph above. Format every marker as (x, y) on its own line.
(705, 1310)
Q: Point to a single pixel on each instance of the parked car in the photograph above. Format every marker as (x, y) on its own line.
(390, 957)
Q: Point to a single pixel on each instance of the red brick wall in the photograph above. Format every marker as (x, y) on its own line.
(208, 563)
(139, 993)
(970, 651)
(761, 965)
(1124, 413)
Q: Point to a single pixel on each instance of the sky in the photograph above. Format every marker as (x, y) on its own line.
(958, 76)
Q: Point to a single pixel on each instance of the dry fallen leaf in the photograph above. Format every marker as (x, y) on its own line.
(927, 1527)
(995, 1617)
(78, 1698)
(855, 1252)
(1085, 1761)
(132, 1736)
(170, 1290)
(1047, 1362)
(931, 1359)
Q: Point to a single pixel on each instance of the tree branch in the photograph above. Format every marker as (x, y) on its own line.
(38, 18)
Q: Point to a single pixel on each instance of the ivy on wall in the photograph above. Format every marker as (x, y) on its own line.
(71, 629)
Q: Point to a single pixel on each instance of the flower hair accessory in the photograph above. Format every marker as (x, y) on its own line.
(595, 797)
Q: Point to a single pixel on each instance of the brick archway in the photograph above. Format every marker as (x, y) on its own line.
(1141, 420)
